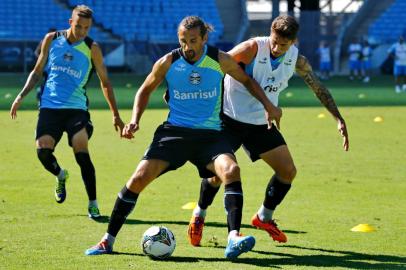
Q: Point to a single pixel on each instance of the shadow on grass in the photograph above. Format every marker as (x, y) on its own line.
(323, 258)
(105, 219)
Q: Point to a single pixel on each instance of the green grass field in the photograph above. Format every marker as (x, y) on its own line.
(333, 192)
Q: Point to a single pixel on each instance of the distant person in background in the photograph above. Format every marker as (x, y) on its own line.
(398, 52)
(325, 61)
(67, 59)
(354, 59)
(366, 61)
(37, 52)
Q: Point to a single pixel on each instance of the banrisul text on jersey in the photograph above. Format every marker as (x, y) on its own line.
(67, 72)
(195, 90)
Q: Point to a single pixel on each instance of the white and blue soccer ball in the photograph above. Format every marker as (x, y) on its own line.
(158, 242)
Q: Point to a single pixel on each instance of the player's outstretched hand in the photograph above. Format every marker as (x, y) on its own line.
(129, 130)
(15, 106)
(272, 114)
(118, 124)
(342, 128)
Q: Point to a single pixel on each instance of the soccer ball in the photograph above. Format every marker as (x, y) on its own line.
(158, 242)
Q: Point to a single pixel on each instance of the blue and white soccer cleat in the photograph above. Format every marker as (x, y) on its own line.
(238, 245)
(101, 248)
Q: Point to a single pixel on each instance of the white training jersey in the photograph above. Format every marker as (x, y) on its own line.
(355, 51)
(239, 104)
(324, 54)
(400, 53)
(366, 53)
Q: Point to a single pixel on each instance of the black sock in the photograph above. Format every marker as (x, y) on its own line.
(124, 205)
(275, 192)
(48, 160)
(207, 194)
(88, 174)
(233, 202)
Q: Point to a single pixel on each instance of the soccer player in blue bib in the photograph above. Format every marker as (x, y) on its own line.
(192, 132)
(67, 60)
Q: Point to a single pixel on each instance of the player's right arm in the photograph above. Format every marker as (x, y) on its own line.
(153, 80)
(244, 52)
(34, 76)
(305, 71)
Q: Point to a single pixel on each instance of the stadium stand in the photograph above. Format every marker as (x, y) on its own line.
(154, 20)
(30, 20)
(390, 24)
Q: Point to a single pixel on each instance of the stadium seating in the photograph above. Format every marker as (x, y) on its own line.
(390, 25)
(153, 20)
(30, 20)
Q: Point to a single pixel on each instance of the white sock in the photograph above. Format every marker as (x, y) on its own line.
(233, 234)
(61, 174)
(93, 203)
(199, 212)
(265, 214)
(110, 239)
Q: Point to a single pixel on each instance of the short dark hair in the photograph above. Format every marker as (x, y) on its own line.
(285, 26)
(83, 11)
(190, 22)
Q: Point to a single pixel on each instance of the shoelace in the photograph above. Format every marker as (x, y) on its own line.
(61, 186)
(93, 210)
(198, 225)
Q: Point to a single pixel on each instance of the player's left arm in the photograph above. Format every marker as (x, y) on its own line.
(97, 59)
(229, 66)
(305, 71)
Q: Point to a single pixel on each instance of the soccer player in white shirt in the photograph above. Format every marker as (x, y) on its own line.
(354, 59)
(325, 61)
(271, 61)
(366, 61)
(398, 52)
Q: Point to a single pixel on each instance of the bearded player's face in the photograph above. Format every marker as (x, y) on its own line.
(191, 42)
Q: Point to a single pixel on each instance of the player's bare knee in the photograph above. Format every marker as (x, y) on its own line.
(46, 142)
(231, 171)
(80, 146)
(214, 181)
(289, 174)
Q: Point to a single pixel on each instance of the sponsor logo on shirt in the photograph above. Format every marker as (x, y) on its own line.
(180, 67)
(72, 72)
(263, 61)
(200, 94)
(272, 88)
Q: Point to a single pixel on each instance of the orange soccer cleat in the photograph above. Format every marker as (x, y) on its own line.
(195, 231)
(271, 228)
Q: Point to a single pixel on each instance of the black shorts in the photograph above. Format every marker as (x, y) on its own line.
(54, 122)
(255, 139)
(177, 145)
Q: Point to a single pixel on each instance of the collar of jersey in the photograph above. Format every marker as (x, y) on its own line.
(276, 62)
(70, 43)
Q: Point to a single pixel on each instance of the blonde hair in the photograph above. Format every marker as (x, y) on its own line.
(83, 11)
